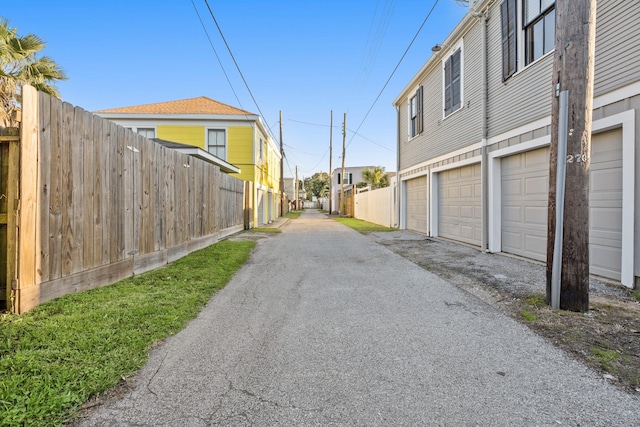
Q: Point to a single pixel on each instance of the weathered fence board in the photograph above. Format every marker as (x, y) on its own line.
(44, 179)
(99, 203)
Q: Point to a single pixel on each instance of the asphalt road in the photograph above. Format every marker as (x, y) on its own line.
(324, 327)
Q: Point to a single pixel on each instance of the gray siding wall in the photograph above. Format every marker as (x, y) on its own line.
(525, 96)
(617, 44)
(461, 128)
(522, 98)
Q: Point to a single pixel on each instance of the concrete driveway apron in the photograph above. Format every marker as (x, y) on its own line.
(324, 327)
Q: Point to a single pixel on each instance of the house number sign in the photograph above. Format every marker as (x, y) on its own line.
(576, 158)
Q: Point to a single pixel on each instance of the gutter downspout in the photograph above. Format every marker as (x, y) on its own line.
(484, 165)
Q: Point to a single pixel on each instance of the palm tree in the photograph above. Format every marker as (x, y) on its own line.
(375, 177)
(20, 65)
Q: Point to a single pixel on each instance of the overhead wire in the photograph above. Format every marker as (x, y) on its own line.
(244, 80)
(394, 70)
(216, 54)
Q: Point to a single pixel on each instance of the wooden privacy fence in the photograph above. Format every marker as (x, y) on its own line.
(98, 203)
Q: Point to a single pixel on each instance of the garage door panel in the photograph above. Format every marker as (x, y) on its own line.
(417, 204)
(536, 215)
(536, 244)
(459, 204)
(605, 260)
(537, 186)
(600, 220)
(606, 181)
(512, 214)
(512, 187)
(536, 159)
(467, 232)
(511, 163)
(467, 212)
(524, 192)
(511, 239)
(524, 207)
(466, 191)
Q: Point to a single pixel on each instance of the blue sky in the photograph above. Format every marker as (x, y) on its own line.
(304, 58)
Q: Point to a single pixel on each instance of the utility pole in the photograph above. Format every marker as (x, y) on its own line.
(330, 160)
(281, 169)
(570, 151)
(296, 190)
(343, 199)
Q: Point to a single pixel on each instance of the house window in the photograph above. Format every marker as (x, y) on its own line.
(452, 83)
(348, 178)
(509, 47)
(539, 25)
(415, 113)
(217, 143)
(147, 132)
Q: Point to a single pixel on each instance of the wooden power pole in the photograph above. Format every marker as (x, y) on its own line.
(281, 169)
(572, 106)
(330, 160)
(343, 198)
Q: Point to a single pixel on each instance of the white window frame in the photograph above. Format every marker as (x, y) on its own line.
(523, 29)
(415, 112)
(452, 51)
(224, 130)
(146, 129)
(521, 57)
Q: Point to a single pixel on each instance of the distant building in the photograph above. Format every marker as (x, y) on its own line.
(236, 136)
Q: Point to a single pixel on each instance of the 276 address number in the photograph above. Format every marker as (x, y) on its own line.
(577, 158)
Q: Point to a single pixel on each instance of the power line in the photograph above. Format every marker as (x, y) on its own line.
(237, 66)
(394, 70)
(216, 54)
(370, 140)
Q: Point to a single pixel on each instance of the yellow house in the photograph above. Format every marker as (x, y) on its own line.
(229, 133)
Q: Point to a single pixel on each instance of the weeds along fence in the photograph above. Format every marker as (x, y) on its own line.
(97, 203)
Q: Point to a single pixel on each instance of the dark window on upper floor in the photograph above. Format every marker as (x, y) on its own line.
(453, 83)
(509, 23)
(539, 25)
(415, 114)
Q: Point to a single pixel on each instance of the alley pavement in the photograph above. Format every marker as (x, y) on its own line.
(325, 327)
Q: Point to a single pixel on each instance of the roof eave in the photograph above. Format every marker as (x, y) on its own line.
(458, 32)
(150, 116)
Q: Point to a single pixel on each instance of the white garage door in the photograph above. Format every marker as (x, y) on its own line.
(261, 208)
(417, 204)
(524, 204)
(460, 204)
(525, 188)
(605, 204)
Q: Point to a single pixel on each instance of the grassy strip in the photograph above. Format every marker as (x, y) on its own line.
(266, 230)
(292, 214)
(362, 226)
(56, 356)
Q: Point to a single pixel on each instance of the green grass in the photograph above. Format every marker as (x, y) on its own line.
(292, 214)
(266, 230)
(536, 300)
(528, 316)
(636, 295)
(56, 356)
(362, 226)
(604, 357)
